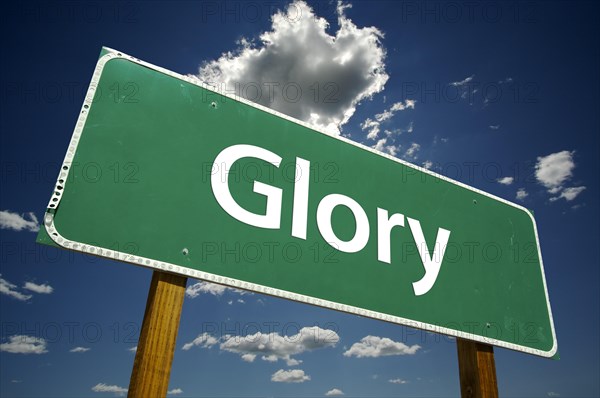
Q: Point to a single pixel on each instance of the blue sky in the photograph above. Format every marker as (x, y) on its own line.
(502, 96)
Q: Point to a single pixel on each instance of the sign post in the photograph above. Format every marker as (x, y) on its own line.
(477, 369)
(156, 346)
(165, 172)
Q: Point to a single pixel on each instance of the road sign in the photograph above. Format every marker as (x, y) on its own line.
(164, 172)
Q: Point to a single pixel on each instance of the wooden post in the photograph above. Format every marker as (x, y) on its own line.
(156, 346)
(477, 369)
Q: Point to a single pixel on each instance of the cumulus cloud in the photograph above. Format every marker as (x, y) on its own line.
(17, 222)
(411, 152)
(506, 180)
(398, 381)
(389, 149)
(495, 126)
(289, 376)
(270, 347)
(569, 194)
(522, 194)
(101, 387)
(428, 164)
(79, 349)
(11, 290)
(301, 70)
(205, 340)
(175, 391)
(21, 344)
(554, 170)
(40, 289)
(374, 347)
(336, 392)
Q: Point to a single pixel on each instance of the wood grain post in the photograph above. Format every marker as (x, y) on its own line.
(156, 346)
(477, 369)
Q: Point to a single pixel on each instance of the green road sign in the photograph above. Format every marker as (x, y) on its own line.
(164, 172)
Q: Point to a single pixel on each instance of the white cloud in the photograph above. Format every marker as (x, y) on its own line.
(270, 347)
(21, 344)
(101, 387)
(554, 170)
(204, 340)
(373, 346)
(289, 376)
(522, 194)
(80, 349)
(428, 164)
(462, 82)
(398, 381)
(301, 70)
(495, 127)
(14, 221)
(569, 194)
(336, 392)
(41, 289)
(10, 290)
(273, 347)
(175, 391)
(389, 149)
(411, 152)
(374, 126)
(553, 394)
(199, 288)
(132, 349)
(398, 106)
(506, 180)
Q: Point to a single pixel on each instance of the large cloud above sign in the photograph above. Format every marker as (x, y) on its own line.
(303, 71)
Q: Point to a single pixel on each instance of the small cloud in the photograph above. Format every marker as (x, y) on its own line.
(506, 80)
(506, 180)
(522, 194)
(16, 381)
(132, 349)
(411, 152)
(79, 349)
(204, 340)
(569, 194)
(21, 344)
(199, 288)
(16, 222)
(336, 392)
(428, 164)
(462, 82)
(289, 376)
(101, 387)
(554, 170)
(41, 289)
(553, 394)
(11, 290)
(175, 391)
(398, 381)
(495, 127)
(374, 126)
(382, 147)
(374, 347)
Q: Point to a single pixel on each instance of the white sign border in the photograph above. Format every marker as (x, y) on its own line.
(235, 283)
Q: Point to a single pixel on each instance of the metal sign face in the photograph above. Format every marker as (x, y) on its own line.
(164, 172)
